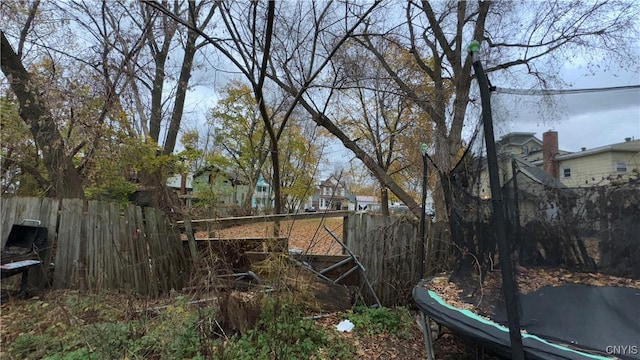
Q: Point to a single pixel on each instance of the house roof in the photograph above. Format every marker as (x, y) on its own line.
(529, 170)
(626, 146)
(517, 138)
(233, 176)
(539, 175)
(331, 181)
(365, 198)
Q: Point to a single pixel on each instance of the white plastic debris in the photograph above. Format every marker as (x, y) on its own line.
(295, 251)
(345, 326)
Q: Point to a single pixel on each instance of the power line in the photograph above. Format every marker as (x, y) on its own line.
(540, 92)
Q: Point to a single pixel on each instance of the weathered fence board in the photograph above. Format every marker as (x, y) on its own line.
(140, 255)
(8, 217)
(68, 266)
(202, 224)
(155, 251)
(128, 281)
(49, 212)
(387, 248)
(97, 245)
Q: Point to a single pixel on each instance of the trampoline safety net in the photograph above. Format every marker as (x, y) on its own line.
(574, 241)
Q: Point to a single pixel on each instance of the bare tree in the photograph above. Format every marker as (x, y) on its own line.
(385, 123)
(247, 43)
(534, 36)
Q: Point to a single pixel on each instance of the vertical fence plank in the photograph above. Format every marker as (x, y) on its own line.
(68, 266)
(115, 262)
(152, 246)
(128, 240)
(90, 254)
(103, 250)
(141, 256)
(126, 270)
(48, 216)
(387, 250)
(9, 207)
(177, 262)
(192, 241)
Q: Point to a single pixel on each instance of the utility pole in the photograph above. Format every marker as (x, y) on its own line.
(508, 280)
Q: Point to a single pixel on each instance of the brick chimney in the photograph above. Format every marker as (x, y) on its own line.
(549, 152)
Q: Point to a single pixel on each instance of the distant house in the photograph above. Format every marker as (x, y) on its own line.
(528, 151)
(523, 144)
(331, 195)
(615, 163)
(182, 185)
(590, 167)
(263, 195)
(543, 163)
(526, 146)
(224, 187)
(228, 187)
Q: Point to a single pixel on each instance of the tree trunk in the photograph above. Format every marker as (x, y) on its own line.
(181, 93)
(65, 179)
(384, 202)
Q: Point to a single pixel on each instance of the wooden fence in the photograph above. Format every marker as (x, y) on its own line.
(98, 245)
(388, 249)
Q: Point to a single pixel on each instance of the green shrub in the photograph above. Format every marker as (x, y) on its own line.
(31, 346)
(108, 340)
(283, 333)
(374, 321)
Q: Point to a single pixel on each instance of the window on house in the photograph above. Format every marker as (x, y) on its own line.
(566, 172)
(621, 167)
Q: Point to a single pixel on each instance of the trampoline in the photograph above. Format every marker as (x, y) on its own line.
(571, 321)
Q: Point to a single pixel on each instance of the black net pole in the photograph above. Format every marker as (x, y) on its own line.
(516, 204)
(508, 281)
(423, 222)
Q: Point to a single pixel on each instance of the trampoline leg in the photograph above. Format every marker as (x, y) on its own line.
(428, 340)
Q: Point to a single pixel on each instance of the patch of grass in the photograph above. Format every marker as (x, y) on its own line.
(32, 346)
(77, 327)
(80, 329)
(375, 321)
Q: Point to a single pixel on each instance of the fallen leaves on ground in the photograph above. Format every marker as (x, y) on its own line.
(486, 295)
(380, 346)
(307, 235)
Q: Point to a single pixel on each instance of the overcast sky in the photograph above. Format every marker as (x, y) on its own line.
(581, 120)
